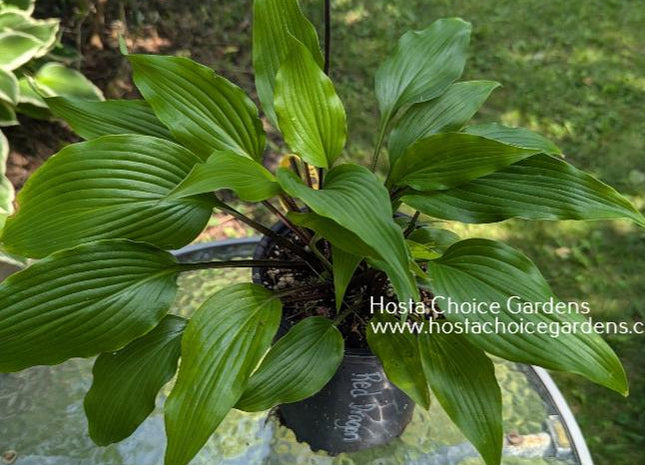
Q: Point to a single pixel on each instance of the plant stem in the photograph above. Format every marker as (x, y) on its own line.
(294, 166)
(301, 289)
(291, 204)
(303, 235)
(321, 174)
(305, 297)
(379, 145)
(302, 253)
(318, 253)
(242, 264)
(412, 224)
(339, 319)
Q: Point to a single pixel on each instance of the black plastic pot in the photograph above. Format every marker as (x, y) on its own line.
(359, 407)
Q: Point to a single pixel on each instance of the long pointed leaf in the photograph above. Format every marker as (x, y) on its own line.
(110, 187)
(541, 187)
(91, 119)
(299, 365)
(447, 113)
(491, 271)
(356, 199)
(338, 236)
(423, 65)
(443, 161)
(275, 24)
(222, 344)
(311, 116)
(519, 137)
(79, 302)
(126, 382)
(203, 111)
(462, 378)
(343, 267)
(226, 170)
(399, 354)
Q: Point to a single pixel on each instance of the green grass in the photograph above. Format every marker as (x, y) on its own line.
(572, 70)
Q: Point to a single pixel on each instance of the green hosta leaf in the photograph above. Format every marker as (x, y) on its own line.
(28, 95)
(421, 251)
(399, 354)
(8, 87)
(337, 235)
(344, 265)
(299, 365)
(275, 24)
(7, 115)
(493, 272)
(462, 378)
(435, 239)
(423, 65)
(447, 113)
(79, 302)
(222, 344)
(92, 119)
(356, 199)
(13, 19)
(519, 137)
(45, 30)
(443, 161)
(27, 6)
(55, 79)
(17, 49)
(110, 187)
(204, 111)
(126, 382)
(311, 116)
(539, 188)
(4, 152)
(6, 188)
(227, 170)
(33, 111)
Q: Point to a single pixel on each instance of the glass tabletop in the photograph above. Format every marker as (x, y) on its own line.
(42, 420)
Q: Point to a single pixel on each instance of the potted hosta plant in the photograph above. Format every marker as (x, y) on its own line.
(101, 215)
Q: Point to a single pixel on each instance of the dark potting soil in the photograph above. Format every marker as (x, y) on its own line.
(319, 299)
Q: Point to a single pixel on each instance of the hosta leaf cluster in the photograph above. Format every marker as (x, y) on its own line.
(25, 43)
(102, 214)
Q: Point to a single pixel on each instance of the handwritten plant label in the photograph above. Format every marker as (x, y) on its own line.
(364, 389)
